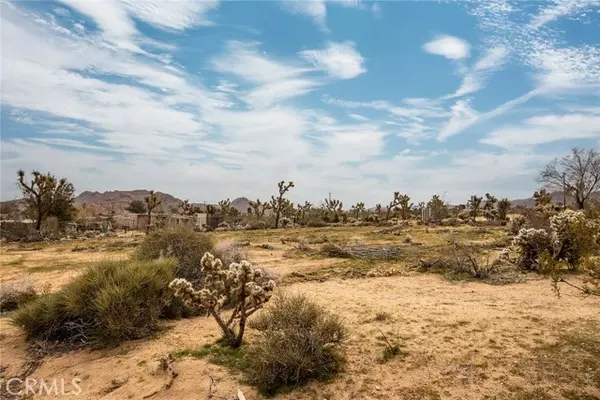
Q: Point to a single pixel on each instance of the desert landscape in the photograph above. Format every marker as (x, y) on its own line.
(300, 200)
(508, 337)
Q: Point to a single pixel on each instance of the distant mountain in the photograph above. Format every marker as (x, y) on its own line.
(557, 198)
(118, 200)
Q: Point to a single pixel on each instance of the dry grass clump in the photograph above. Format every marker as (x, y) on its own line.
(298, 341)
(230, 251)
(109, 303)
(361, 252)
(15, 295)
(187, 247)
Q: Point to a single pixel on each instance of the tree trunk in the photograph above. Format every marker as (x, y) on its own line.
(277, 219)
(580, 203)
(149, 221)
(38, 221)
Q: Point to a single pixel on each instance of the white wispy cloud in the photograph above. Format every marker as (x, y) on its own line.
(448, 46)
(474, 78)
(462, 117)
(317, 9)
(560, 8)
(546, 129)
(340, 60)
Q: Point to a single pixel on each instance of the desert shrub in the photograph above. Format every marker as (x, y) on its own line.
(255, 225)
(109, 303)
(187, 247)
(530, 244)
(285, 222)
(316, 223)
(574, 236)
(15, 295)
(238, 285)
(297, 341)
(224, 225)
(450, 222)
(517, 223)
(229, 251)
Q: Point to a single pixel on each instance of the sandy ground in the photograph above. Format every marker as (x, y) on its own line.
(458, 340)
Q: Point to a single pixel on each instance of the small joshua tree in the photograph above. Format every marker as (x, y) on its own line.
(474, 205)
(237, 285)
(357, 209)
(405, 207)
(503, 207)
(278, 203)
(152, 202)
(302, 209)
(189, 209)
(437, 207)
(395, 201)
(542, 198)
(259, 208)
(335, 208)
(225, 207)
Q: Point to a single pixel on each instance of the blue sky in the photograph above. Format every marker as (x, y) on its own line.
(207, 100)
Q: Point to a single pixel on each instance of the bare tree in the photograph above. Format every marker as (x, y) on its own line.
(577, 174)
(45, 195)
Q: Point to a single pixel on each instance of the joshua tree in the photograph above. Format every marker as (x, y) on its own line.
(405, 207)
(278, 203)
(474, 205)
(189, 209)
(378, 209)
(503, 207)
(396, 201)
(438, 208)
(577, 174)
(542, 198)
(259, 208)
(240, 285)
(357, 209)
(225, 207)
(335, 207)
(301, 210)
(45, 195)
(152, 202)
(490, 202)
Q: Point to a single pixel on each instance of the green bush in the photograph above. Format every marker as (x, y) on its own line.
(109, 303)
(298, 341)
(187, 247)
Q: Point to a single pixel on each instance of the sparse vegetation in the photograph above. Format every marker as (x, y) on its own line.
(298, 341)
(110, 302)
(238, 285)
(187, 247)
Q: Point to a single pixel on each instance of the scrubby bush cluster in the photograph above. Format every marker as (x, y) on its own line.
(571, 238)
(298, 341)
(238, 284)
(187, 247)
(109, 303)
(574, 236)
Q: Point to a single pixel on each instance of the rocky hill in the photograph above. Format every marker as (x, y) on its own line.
(118, 200)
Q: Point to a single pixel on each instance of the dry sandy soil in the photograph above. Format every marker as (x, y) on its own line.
(458, 339)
